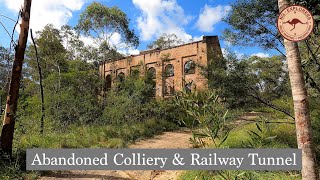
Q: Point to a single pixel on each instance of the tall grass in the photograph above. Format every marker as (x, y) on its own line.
(74, 136)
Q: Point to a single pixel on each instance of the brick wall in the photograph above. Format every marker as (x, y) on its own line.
(199, 52)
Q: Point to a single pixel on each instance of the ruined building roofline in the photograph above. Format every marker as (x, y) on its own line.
(158, 49)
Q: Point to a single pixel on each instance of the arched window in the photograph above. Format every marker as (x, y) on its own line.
(189, 67)
(121, 77)
(152, 72)
(169, 70)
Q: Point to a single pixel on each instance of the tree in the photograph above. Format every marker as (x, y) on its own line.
(72, 43)
(100, 23)
(40, 84)
(165, 41)
(270, 76)
(51, 50)
(252, 23)
(311, 63)
(301, 106)
(249, 81)
(13, 95)
(5, 64)
(75, 100)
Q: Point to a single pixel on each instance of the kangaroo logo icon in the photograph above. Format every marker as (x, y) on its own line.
(295, 23)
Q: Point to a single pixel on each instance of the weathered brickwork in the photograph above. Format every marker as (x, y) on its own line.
(174, 68)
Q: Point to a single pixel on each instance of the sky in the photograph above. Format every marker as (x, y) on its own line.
(188, 19)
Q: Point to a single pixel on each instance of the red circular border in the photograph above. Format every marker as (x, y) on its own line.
(291, 39)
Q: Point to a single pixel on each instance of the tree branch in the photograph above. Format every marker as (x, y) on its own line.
(312, 54)
(313, 84)
(268, 103)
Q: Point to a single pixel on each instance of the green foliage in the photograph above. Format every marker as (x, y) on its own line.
(5, 62)
(126, 101)
(131, 100)
(241, 175)
(315, 122)
(101, 22)
(272, 135)
(73, 44)
(51, 52)
(231, 79)
(252, 23)
(270, 76)
(94, 135)
(206, 109)
(14, 167)
(266, 135)
(74, 136)
(70, 97)
(76, 115)
(73, 97)
(310, 63)
(261, 137)
(286, 103)
(314, 7)
(165, 41)
(240, 83)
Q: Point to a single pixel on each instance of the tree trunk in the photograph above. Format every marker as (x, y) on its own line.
(301, 107)
(41, 86)
(12, 99)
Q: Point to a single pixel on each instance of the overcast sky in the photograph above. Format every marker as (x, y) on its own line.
(149, 18)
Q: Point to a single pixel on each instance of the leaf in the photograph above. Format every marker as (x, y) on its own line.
(225, 114)
(238, 175)
(271, 137)
(258, 127)
(200, 135)
(255, 134)
(224, 139)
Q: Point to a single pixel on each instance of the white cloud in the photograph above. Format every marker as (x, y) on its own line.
(115, 41)
(88, 41)
(262, 55)
(161, 16)
(197, 38)
(56, 12)
(209, 16)
(134, 51)
(127, 52)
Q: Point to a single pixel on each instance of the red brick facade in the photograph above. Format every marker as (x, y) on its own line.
(175, 68)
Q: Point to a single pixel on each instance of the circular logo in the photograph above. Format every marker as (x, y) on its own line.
(295, 23)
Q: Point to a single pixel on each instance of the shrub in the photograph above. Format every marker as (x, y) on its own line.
(207, 110)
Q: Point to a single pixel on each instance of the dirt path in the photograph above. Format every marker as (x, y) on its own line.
(178, 139)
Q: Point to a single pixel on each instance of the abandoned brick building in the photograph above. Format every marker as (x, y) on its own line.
(172, 69)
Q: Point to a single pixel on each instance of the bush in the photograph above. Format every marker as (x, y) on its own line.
(14, 167)
(209, 113)
(315, 122)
